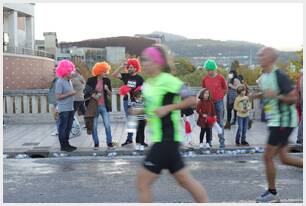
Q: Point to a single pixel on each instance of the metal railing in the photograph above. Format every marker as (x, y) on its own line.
(27, 51)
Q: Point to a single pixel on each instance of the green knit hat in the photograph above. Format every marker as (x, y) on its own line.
(210, 65)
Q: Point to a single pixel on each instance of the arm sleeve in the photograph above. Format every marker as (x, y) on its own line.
(109, 84)
(58, 88)
(141, 80)
(186, 92)
(198, 109)
(203, 83)
(124, 77)
(284, 82)
(88, 89)
(223, 83)
(236, 106)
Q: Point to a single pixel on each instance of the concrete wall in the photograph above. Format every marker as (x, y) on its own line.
(26, 72)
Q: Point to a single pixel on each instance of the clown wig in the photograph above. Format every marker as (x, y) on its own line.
(100, 67)
(135, 63)
(64, 68)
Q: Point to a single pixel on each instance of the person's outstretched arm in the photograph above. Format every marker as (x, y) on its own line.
(117, 73)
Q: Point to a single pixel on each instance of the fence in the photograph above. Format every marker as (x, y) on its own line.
(34, 102)
(27, 51)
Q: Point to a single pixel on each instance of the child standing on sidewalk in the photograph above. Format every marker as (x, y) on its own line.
(242, 105)
(206, 110)
(140, 134)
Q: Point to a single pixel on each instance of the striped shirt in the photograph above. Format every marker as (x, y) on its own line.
(278, 113)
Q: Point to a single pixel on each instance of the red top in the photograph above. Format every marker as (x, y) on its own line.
(100, 89)
(187, 127)
(205, 107)
(217, 86)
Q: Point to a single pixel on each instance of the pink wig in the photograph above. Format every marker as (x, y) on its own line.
(64, 68)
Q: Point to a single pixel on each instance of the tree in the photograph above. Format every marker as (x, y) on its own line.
(183, 66)
(298, 62)
(295, 65)
(235, 65)
(83, 69)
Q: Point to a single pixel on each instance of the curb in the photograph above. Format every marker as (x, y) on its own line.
(47, 152)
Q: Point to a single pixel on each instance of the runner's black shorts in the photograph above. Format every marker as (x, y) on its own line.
(279, 136)
(164, 155)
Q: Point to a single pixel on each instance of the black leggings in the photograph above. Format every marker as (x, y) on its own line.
(208, 132)
(140, 136)
(229, 109)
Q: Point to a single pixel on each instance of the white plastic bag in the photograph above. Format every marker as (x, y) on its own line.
(75, 129)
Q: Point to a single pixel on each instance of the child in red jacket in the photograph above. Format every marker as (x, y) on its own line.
(206, 111)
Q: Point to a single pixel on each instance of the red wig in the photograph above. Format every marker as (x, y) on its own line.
(135, 63)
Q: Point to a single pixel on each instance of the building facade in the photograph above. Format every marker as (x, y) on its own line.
(18, 25)
(115, 55)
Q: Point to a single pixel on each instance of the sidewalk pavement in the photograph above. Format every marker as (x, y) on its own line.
(36, 139)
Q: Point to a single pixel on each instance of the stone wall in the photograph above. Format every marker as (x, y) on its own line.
(26, 72)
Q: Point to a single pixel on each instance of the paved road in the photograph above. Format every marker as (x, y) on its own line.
(98, 179)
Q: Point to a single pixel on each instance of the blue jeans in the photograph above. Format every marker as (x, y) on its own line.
(126, 108)
(219, 107)
(65, 124)
(105, 116)
(242, 129)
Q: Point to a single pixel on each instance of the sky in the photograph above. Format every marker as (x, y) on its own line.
(279, 25)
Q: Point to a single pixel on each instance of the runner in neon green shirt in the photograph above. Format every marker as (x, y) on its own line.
(164, 97)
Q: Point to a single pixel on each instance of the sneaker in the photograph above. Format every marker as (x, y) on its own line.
(227, 125)
(67, 149)
(55, 133)
(127, 142)
(96, 145)
(137, 147)
(245, 143)
(110, 146)
(201, 145)
(190, 144)
(268, 197)
(207, 145)
(144, 144)
(299, 142)
(141, 148)
(74, 148)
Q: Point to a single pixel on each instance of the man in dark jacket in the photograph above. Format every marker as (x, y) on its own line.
(98, 89)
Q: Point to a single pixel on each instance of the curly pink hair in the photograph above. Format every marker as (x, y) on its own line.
(64, 68)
